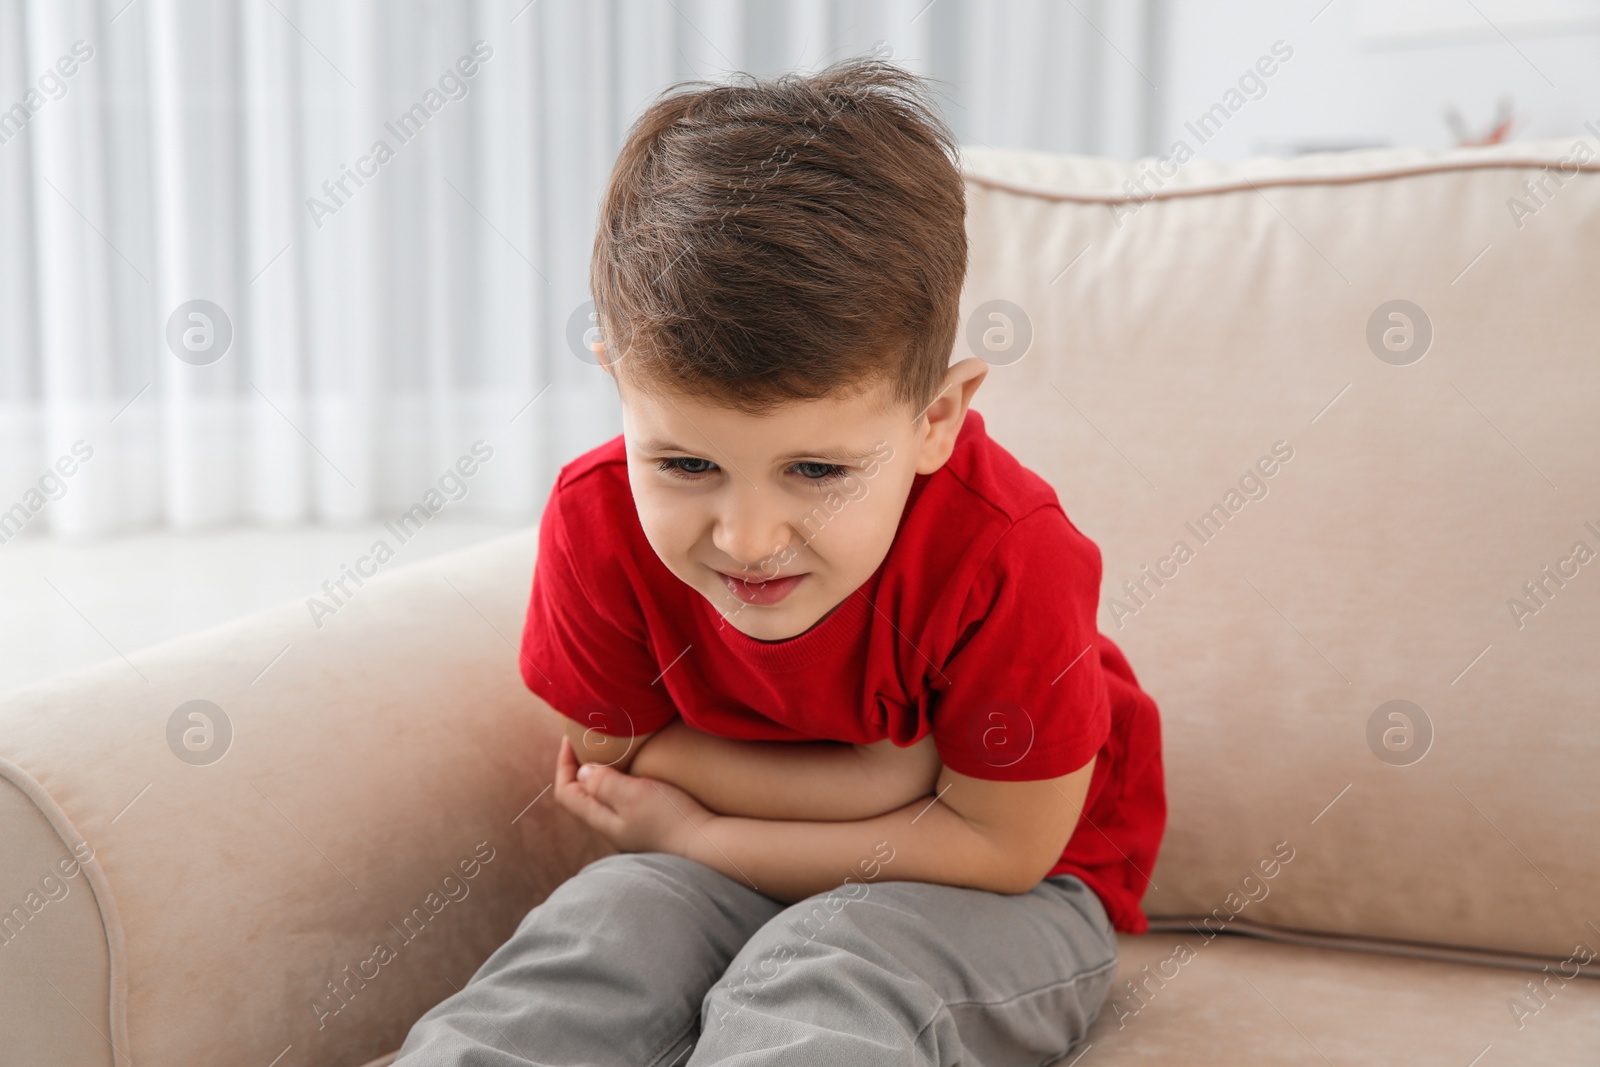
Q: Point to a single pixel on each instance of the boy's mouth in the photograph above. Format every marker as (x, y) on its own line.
(761, 591)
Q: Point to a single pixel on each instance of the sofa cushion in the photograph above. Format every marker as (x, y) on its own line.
(1213, 364)
(1181, 998)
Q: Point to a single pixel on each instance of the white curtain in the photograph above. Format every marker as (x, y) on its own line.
(388, 308)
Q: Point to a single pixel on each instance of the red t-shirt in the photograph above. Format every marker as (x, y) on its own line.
(979, 627)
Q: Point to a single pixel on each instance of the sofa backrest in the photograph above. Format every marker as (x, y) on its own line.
(1334, 423)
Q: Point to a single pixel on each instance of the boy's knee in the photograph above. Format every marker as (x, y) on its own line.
(812, 936)
(795, 932)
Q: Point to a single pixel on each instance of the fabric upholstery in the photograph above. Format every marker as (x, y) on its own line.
(1174, 343)
(367, 763)
(1236, 1000)
(1172, 347)
(55, 958)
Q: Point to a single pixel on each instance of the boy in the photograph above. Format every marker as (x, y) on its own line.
(826, 654)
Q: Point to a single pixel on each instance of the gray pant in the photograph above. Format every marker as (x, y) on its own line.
(649, 960)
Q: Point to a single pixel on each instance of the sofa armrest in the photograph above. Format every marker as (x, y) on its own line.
(375, 826)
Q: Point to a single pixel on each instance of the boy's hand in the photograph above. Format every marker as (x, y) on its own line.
(635, 814)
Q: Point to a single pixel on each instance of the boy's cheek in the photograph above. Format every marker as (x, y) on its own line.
(853, 531)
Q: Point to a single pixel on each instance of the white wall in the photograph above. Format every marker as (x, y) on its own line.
(1376, 72)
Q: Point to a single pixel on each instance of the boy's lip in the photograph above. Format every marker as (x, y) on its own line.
(760, 591)
(751, 579)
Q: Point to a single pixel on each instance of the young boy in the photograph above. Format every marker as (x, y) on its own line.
(826, 654)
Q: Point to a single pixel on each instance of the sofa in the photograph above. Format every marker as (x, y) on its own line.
(1332, 422)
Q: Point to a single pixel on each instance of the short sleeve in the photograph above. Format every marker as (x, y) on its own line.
(1022, 695)
(585, 647)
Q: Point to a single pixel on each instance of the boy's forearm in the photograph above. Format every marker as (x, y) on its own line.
(925, 841)
(812, 780)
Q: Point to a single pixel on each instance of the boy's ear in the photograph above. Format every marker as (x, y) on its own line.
(599, 350)
(948, 410)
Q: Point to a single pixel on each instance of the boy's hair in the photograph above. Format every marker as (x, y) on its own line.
(784, 239)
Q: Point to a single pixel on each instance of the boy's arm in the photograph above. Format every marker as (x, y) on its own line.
(999, 836)
(818, 780)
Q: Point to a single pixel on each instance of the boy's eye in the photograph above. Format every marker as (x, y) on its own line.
(695, 467)
(686, 466)
(819, 472)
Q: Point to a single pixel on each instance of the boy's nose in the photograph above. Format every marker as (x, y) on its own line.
(751, 539)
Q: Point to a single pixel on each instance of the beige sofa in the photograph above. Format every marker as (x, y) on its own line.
(1364, 502)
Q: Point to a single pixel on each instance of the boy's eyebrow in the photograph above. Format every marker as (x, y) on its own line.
(840, 453)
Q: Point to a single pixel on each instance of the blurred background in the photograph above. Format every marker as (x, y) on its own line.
(279, 266)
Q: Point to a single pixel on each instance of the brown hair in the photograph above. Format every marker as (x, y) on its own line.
(784, 239)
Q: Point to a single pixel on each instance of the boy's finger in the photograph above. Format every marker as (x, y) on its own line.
(569, 794)
(599, 817)
(577, 796)
(608, 785)
(571, 807)
(566, 759)
(599, 783)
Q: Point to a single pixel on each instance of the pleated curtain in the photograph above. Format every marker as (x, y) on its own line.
(385, 309)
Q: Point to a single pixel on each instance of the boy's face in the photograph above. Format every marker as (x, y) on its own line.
(777, 518)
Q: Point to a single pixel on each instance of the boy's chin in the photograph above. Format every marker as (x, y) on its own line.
(779, 622)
